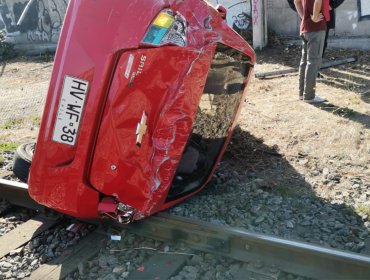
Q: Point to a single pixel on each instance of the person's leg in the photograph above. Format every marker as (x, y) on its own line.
(302, 67)
(315, 46)
(323, 51)
(325, 42)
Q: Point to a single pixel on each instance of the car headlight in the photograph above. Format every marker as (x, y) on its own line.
(167, 28)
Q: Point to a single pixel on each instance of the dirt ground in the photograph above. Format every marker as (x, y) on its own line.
(333, 136)
(328, 144)
(24, 83)
(286, 141)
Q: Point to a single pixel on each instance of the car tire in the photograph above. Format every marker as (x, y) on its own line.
(22, 161)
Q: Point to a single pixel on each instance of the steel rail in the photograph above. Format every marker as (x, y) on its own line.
(17, 194)
(296, 257)
(291, 256)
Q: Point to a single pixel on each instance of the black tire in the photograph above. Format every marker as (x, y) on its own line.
(22, 161)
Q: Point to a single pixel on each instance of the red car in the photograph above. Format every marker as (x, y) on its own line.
(143, 99)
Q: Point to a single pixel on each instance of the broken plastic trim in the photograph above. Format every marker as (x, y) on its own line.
(217, 110)
(109, 207)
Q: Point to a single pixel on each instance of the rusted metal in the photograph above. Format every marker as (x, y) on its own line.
(17, 194)
(290, 256)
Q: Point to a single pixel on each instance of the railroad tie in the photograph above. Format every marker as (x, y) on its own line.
(60, 267)
(24, 233)
(160, 266)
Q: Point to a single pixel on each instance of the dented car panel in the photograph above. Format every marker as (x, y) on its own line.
(144, 154)
(133, 83)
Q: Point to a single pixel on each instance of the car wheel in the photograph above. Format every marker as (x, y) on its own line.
(22, 161)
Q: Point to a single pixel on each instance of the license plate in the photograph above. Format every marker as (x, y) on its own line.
(71, 105)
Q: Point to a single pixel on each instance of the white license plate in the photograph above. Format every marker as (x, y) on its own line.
(71, 105)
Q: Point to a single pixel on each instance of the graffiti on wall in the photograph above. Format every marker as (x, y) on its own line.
(255, 12)
(364, 9)
(37, 20)
(239, 15)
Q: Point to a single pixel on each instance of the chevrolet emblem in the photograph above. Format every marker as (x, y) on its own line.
(141, 129)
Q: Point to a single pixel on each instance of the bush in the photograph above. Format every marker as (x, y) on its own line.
(7, 50)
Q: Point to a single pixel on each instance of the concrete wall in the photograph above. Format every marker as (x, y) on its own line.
(352, 18)
(35, 27)
(247, 17)
(40, 28)
(239, 15)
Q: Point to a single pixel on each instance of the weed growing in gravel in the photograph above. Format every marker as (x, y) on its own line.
(2, 160)
(45, 57)
(363, 209)
(284, 191)
(36, 120)
(355, 100)
(11, 123)
(8, 147)
(344, 112)
(350, 83)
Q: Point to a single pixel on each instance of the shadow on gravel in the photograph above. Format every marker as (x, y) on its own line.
(256, 188)
(345, 112)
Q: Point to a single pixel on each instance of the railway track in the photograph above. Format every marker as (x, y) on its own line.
(275, 254)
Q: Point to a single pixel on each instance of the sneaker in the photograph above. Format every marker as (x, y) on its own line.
(317, 99)
(301, 97)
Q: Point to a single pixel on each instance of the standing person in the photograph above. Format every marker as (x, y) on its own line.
(313, 14)
(330, 24)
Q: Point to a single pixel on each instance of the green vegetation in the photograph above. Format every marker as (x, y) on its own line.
(36, 120)
(363, 209)
(1, 159)
(344, 112)
(11, 123)
(282, 190)
(8, 147)
(7, 50)
(355, 100)
(45, 57)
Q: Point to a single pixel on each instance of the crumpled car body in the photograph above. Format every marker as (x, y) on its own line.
(143, 98)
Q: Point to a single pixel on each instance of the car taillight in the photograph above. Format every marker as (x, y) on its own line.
(167, 28)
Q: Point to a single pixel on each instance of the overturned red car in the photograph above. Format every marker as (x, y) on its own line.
(143, 99)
